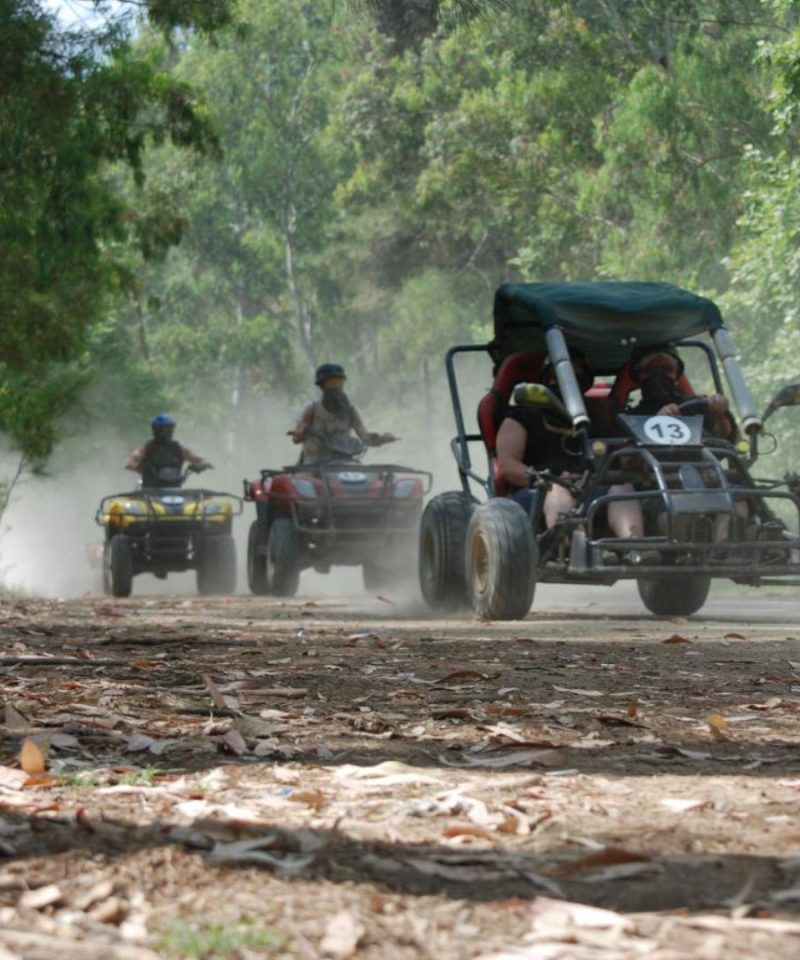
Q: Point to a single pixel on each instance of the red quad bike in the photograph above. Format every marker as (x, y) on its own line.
(705, 514)
(338, 512)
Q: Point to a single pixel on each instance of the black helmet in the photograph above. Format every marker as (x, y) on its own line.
(328, 371)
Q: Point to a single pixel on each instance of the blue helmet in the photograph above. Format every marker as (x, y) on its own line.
(161, 420)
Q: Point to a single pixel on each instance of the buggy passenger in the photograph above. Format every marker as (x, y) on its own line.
(529, 442)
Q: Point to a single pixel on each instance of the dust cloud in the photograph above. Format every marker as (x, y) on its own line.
(49, 532)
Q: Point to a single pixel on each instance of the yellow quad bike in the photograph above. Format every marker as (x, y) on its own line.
(167, 529)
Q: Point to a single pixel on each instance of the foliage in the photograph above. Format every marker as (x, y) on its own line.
(72, 103)
(365, 174)
(215, 940)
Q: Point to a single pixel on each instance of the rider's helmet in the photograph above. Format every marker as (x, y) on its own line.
(163, 426)
(657, 358)
(329, 371)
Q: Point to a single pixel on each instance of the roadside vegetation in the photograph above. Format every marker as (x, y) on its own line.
(200, 201)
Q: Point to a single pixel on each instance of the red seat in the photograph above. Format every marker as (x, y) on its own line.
(624, 385)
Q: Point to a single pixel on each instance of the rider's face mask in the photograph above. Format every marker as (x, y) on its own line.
(658, 379)
(336, 402)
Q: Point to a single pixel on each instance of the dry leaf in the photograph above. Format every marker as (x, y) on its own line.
(32, 759)
(579, 692)
(676, 638)
(606, 857)
(342, 934)
(216, 694)
(466, 675)
(718, 726)
(468, 830)
(12, 779)
(232, 741)
(15, 721)
(544, 758)
(633, 709)
(549, 912)
(735, 636)
(311, 798)
(40, 898)
(680, 805)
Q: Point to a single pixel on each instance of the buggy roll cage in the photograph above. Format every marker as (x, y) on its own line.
(573, 398)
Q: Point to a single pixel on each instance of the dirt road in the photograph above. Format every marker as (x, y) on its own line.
(321, 778)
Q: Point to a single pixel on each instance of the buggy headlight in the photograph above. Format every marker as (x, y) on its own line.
(213, 508)
(304, 487)
(135, 508)
(405, 488)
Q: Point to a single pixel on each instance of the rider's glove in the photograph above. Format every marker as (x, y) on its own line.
(375, 439)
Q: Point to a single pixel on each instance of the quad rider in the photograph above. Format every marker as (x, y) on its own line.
(159, 461)
(330, 419)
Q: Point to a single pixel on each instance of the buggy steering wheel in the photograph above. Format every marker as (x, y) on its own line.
(694, 406)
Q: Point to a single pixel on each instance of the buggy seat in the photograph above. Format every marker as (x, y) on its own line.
(624, 385)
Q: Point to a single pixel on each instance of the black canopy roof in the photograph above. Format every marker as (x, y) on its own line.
(606, 319)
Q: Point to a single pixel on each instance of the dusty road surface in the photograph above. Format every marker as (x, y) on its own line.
(246, 777)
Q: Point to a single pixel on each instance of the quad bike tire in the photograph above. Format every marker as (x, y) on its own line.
(442, 538)
(118, 566)
(283, 558)
(216, 568)
(674, 596)
(257, 579)
(501, 561)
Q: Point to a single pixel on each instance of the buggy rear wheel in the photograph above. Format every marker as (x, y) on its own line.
(283, 558)
(674, 596)
(257, 561)
(118, 566)
(501, 560)
(442, 536)
(216, 568)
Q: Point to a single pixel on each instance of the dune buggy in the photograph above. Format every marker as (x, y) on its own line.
(167, 529)
(706, 515)
(336, 512)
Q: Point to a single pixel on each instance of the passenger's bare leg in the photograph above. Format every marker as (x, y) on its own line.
(557, 501)
(722, 522)
(625, 516)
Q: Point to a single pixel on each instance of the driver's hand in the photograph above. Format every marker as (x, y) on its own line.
(717, 404)
(205, 465)
(388, 438)
(670, 410)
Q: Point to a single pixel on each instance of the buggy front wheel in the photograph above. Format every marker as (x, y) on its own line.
(442, 536)
(674, 596)
(501, 560)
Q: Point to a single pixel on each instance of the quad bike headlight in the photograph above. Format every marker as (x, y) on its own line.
(405, 488)
(135, 508)
(212, 508)
(304, 487)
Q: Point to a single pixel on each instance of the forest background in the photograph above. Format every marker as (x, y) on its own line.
(202, 199)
